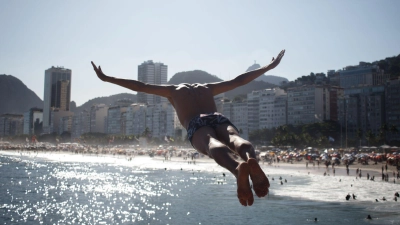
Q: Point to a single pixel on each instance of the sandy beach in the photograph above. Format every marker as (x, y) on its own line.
(300, 166)
(372, 169)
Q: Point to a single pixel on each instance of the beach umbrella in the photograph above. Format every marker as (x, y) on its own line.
(385, 146)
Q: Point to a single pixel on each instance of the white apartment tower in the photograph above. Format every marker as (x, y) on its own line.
(80, 124)
(115, 120)
(136, 119)
(152, 73)
(160, 119)
(308, 104)
(65, 124)
(253, 111)
(239, 117)
(236, 112)
(157, 120)
(272, 108)
(57, 92)
(171, 120)
(97, 114)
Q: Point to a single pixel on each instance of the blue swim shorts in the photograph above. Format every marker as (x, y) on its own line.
(209, 119)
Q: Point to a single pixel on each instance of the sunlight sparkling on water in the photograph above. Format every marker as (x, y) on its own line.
(76, 189)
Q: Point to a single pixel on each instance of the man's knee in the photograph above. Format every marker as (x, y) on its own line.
(245, 146)
(245, 149)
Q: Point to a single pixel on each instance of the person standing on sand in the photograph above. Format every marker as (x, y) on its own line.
(208, 131)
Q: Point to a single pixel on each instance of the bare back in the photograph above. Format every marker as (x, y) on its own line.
(190, 100)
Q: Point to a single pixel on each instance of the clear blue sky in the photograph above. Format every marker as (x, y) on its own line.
(221, 37)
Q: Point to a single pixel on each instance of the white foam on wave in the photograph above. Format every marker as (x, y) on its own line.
(334, 189)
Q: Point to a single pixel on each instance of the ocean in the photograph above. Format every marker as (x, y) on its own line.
(54, 188)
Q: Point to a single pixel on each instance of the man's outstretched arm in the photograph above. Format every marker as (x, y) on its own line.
(134, 85)
(245, 78)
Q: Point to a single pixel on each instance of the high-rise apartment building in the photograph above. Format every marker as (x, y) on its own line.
(239, 118)
(363, 74)
(272, 108)
(115, 120)
(65, 124)
(97, 114)
(33, 120)
(11, 124)
(308, 104)
(392, 101)
(156, 120)
(136, 119)
(160, 119)
(58, 123)
(80, 124)
(236, 112)
(227, 108)
(362, 108)
(253, 111)
(335, 93)
(57, 93)
(152, 73)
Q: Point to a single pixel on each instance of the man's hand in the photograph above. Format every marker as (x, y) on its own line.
(275, 61)
(99, 73)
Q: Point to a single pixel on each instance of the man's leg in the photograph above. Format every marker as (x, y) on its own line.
(230, 137)
(205, 141)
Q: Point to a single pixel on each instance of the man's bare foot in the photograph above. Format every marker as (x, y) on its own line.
(244, 192)
(257, 175)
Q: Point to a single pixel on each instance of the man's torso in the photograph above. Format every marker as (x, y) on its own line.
(190, 100)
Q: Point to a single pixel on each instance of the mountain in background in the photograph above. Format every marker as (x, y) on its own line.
(195, 76)
(198, 76)
(16, 97)
(267, 78)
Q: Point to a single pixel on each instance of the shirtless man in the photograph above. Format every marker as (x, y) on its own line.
(210, 132)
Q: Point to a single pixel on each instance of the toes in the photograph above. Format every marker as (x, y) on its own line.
(247, 201)
(261, 193)
(250, 200)
(243, 202)
(258, 192)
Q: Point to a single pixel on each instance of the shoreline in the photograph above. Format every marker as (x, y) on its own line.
(299, 166)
